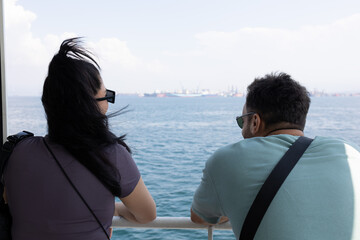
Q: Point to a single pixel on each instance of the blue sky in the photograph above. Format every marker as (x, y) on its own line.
(147, 45)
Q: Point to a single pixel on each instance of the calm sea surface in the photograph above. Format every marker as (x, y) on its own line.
(172, 137)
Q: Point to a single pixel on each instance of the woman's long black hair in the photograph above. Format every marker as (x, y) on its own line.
(74, 118)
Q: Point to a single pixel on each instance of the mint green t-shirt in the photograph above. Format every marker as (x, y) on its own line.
(320, 199)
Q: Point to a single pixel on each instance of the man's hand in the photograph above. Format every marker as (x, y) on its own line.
(223, 219)
(196, 219)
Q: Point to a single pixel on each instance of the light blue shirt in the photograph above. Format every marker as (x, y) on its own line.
(320, 199)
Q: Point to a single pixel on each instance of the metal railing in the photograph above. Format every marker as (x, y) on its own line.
(170, 223)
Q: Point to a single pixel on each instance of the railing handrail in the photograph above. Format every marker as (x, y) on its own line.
(170, 223)
(167, 223)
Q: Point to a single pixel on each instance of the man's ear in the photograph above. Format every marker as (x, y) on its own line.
(256, 125)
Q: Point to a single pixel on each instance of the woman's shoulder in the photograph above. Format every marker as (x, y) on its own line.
(116, 148)
(118, 153)
(123, 161)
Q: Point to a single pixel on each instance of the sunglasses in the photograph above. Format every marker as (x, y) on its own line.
(240, 120)
(110, 96)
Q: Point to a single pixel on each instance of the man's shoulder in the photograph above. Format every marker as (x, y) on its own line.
(250, 145)
(334, 143)
(245, 149)
(230, 150)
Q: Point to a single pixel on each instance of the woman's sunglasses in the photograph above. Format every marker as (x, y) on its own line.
(110, 96)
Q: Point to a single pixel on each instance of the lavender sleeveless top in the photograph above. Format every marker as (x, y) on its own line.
(45, 206)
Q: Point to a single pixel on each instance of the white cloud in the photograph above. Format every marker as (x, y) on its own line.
(195, 53)
(21, 46)
(321, 56)
(156, 66)
(115, 53)
(28, 56)
(16, 15)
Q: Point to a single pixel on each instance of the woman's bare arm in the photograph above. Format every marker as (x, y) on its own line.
(138, 207)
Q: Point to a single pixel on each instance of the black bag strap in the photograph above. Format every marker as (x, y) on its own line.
(271, 186)
(76, 190)
(6, 151)
(9, 146)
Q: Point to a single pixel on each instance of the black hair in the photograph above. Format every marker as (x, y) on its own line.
(278, 98)
(73, 116)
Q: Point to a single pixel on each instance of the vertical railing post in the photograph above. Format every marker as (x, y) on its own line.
(3, 127)
(210, 232)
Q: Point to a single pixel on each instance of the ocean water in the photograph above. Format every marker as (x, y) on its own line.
(171, 139)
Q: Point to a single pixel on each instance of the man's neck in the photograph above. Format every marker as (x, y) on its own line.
(289, 131)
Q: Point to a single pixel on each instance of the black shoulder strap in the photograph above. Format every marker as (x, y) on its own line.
(76, 190)
(271, 187)
(6, 151)
(9, 146)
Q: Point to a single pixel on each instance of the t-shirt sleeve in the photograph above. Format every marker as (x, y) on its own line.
(206, 203)
(129, 173)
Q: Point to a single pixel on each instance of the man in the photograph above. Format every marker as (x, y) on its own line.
(320, 197)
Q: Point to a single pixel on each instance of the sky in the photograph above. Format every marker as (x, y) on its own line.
(166, 45)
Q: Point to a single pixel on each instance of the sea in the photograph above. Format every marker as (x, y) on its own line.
(171, 138)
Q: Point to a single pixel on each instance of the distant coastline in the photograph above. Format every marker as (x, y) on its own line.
(187, 94)
(158, 94)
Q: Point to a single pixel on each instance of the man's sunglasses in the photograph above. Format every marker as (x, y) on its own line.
(240, 120)
(110, 96)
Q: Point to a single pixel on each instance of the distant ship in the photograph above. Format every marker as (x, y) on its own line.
(172, 94)
(183, 94)
(155, 95)
(187, 94)
(210, 95)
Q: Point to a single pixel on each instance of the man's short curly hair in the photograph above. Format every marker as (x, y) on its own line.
(278, 98)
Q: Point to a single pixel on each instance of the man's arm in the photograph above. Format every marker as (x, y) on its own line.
(206, 207)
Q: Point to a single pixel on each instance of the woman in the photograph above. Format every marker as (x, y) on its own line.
(42, 201)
